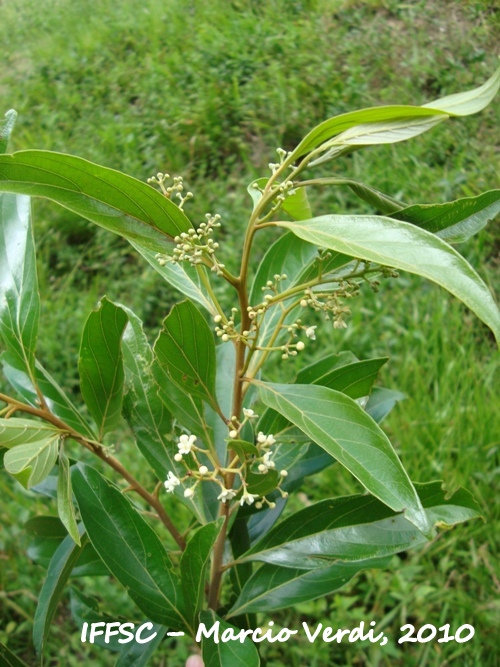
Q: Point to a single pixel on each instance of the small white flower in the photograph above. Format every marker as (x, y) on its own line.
(178, 457)
(249, 413)
(267, 460)
(248, 498)
(188, 493)
(203, 470)
(171, 482)
(233, 433)
(262, 468)
(261, 438)
(186, 443)
(284, 473)
(310, 333)
(226, 494)
(300, 346)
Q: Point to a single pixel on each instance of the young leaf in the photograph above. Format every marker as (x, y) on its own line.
(186, 350)
(16, 431)
(130, 549)
(403, 246)
(455, 221)
(273, 587)
(6, 127)
(60, 567)
(101, 365)
(354, 528)
(224, 654)
(108, 198)
(30, 464)
(8, 659)
(65, 507)
(20, 302)
(341, 427)
(57, 401)
(193, 566)
(470, 102)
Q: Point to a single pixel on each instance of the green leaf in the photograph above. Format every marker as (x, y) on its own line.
(60, 567)
(6, 127)
(193, 567)
(341, 427)
(88, 609)
(381, 402)
(186, 350)
(296, 203)
(20, 302)
(185, 278)
(8, 659)
(455, 221)
(16, 431)
(395, 123)
(273, 587)
(354, 528)
(65, 507)
(403, 246)
(108, 198)
(138, 655)
(230, 653)
(129, 547)
(261, 484)
(57, 401)
(379, 200)
(31, 463)
(101, 365)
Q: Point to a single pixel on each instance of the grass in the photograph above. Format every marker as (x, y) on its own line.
(208, 90)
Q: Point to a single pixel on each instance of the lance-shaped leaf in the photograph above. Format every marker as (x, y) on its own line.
(403, 246)
(57, 401)
(379, 200)
(129, 547)
(455, 221)
(138, 655)
(65, 507)
(273, 587)
(16, 431)
(63, 561)
(184, 278)
(30, 464)
(19, 300)
(217, 653)
(6, 127)
(342, 428)
(382, 401)
(395, 123)
(186, 350)
(113, 200)
(354, 528)
(101, 365)
(193, 566)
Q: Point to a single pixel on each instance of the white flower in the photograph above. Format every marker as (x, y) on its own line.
(171, 482)
(265, 439)
(267, 460)
(249, 413)
(203, 470)
(248, 498)
(310, 333)
(226, 494)
(188, 493)
(233, 433)
(186, 443)
(261, 437)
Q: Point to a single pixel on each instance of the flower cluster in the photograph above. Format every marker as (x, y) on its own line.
(176, 188)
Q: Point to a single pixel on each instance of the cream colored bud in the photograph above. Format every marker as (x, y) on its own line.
(178, 457)
(284, 473)
(224, 338)
(217, 319)
(203, 470)
(188, 493)
(233, 433)
(303, 303)
(300, 346)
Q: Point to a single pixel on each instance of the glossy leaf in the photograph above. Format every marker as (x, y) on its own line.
(31, 463)
(186, 349)
(379, 200)
(224, 387)
(138, 655)
(57, 401)
(6, 127)
(396, 123)
(129, 547)
(230, 653)
(17, 431)
(354, 528)
(20, 302)
(184, 277)
(193, 567)
(273, 587)
(8, 659)
(341, 427)
(65, 506)
(455, 221)
(403, 246)
(60, 567)
(88, 609)
(101, 365)
(113, 200)
(354, 380)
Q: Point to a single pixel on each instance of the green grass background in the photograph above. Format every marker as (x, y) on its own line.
(208, 90)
